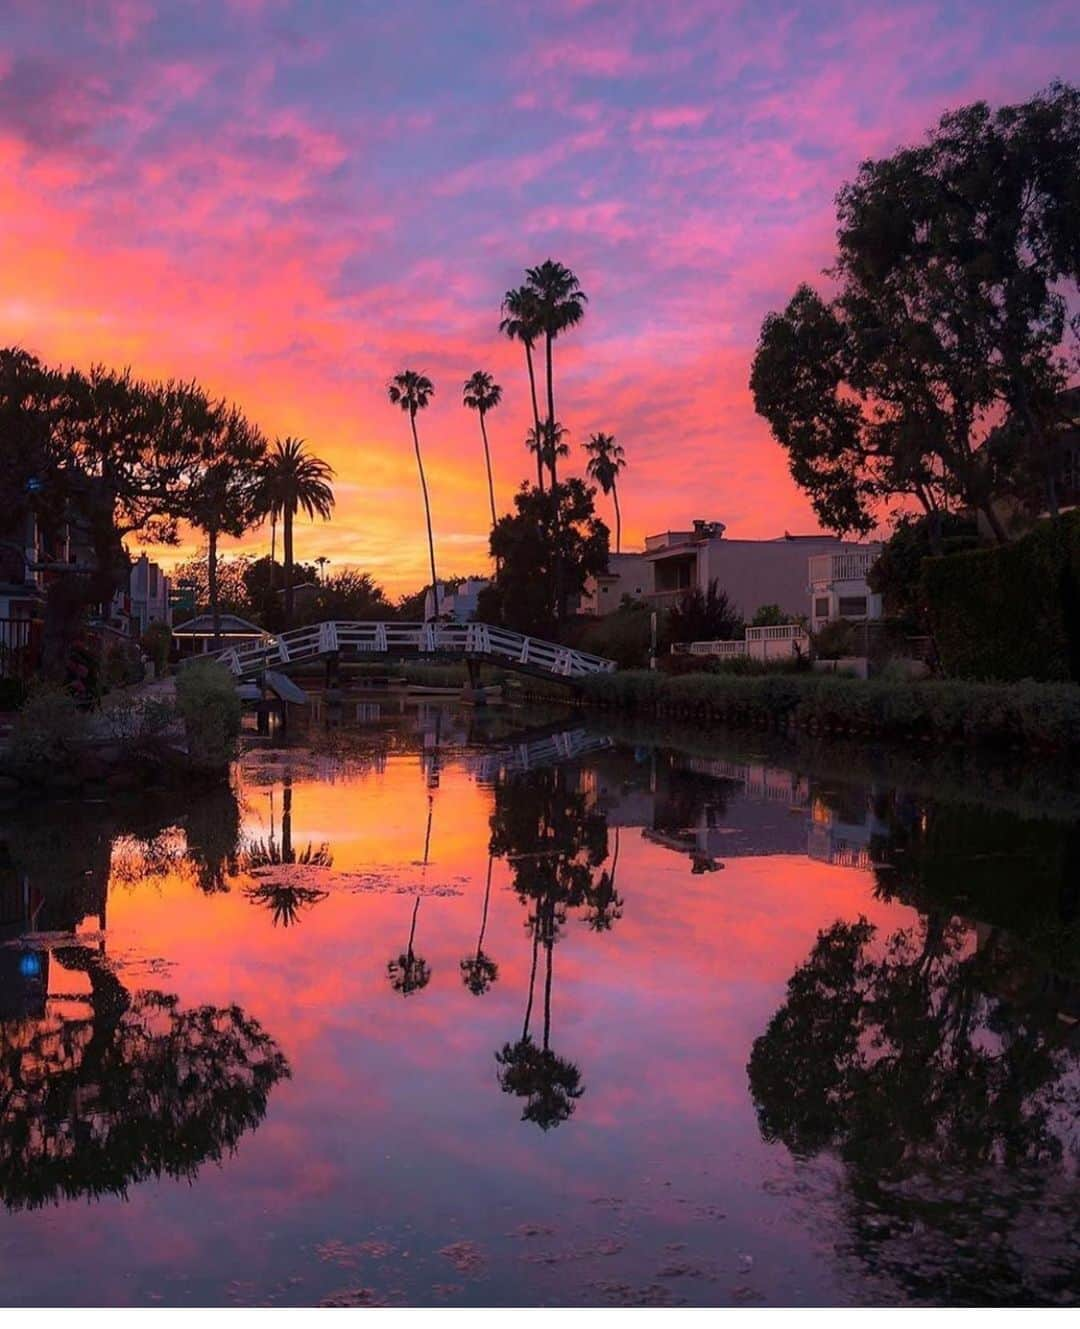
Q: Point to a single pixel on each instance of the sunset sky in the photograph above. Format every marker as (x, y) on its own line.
(292, 201)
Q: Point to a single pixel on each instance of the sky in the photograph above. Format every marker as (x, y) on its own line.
(291, 201)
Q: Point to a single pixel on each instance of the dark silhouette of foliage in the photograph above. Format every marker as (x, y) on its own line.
(549, 531)
(412, 392)
(607, 460)
(955, 264)
(703, 616)
(480, 393)
(292, 481)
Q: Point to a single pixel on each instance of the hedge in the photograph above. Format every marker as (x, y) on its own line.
(1011, 612)
(1042, 715)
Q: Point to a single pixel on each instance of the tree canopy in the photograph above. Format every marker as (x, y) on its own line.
(955, 262)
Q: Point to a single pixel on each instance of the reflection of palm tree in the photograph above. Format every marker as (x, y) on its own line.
(479, 971)
(91, 1104)
(551, 1085)
(410, 972)
(604, 902)
(286, 900)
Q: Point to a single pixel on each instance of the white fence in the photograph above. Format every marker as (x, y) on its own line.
(780, 642)
(359, 638)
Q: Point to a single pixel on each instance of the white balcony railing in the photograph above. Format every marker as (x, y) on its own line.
(851, 566)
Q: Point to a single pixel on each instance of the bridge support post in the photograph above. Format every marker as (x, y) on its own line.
(473, 693)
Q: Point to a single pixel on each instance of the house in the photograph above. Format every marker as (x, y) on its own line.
(752, 572)
(627, 575)
(146, 600)
(838, 586)
(457, 600)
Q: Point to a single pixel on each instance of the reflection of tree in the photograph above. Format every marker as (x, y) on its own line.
(554, 842)
(212, 829)
(284, 898)
(937, 1092)
(550, 1085)
(604, 903)
(138, 1088)
(410, 972)
(479, 971)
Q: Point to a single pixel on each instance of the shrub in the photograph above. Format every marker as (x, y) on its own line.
(623, 635)
(47, 732)
(1009, 612)
(1028, 715)
(209, 704)
(156, 642)
(836, 639)
(12, 693)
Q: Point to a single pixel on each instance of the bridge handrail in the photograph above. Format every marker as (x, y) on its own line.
(380, 636)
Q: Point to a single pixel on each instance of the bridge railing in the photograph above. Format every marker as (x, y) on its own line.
(379, 638)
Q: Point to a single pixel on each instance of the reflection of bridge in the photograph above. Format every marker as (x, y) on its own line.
(550, 750)
(360, 641)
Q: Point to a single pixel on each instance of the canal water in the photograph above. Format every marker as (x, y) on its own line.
(444, 1007)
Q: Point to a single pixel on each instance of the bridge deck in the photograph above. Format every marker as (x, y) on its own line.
(364, 640)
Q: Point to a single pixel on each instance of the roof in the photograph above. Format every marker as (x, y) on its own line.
(231, 626)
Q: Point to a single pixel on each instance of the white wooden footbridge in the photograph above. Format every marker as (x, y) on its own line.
(352, 641)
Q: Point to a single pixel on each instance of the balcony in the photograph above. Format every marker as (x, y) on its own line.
(852, 565)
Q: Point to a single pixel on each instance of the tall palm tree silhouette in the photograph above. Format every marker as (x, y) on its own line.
(412, 392)
(542, 443)
(606, 460)
(559, 305)
(480, 393)
(521, 323)
(293, 480)
(479, 971)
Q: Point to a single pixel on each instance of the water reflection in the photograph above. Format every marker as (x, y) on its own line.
(902, 1091)
(479, 971)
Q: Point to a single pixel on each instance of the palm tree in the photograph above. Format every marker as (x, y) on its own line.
(540, 443)
(412, 392)
(223, 496)
(292, 480)
(481, 393)
(558, 304)
(606, 460)
(322, 561)
(520, 323)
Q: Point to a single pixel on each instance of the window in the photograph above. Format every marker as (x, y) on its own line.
(853, 606)
(821, 607)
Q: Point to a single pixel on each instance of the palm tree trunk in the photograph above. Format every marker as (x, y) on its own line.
(536, 418)
(618, 518)
(549, 946)
(273, 549)
(427, 513)
(287, 541)
(487, 462)
(286, 823)
(551, 408)
(412, 929)
(532, 979)
(483, 916)
(212, 584)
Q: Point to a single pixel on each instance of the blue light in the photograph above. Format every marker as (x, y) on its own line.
(30, 964)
